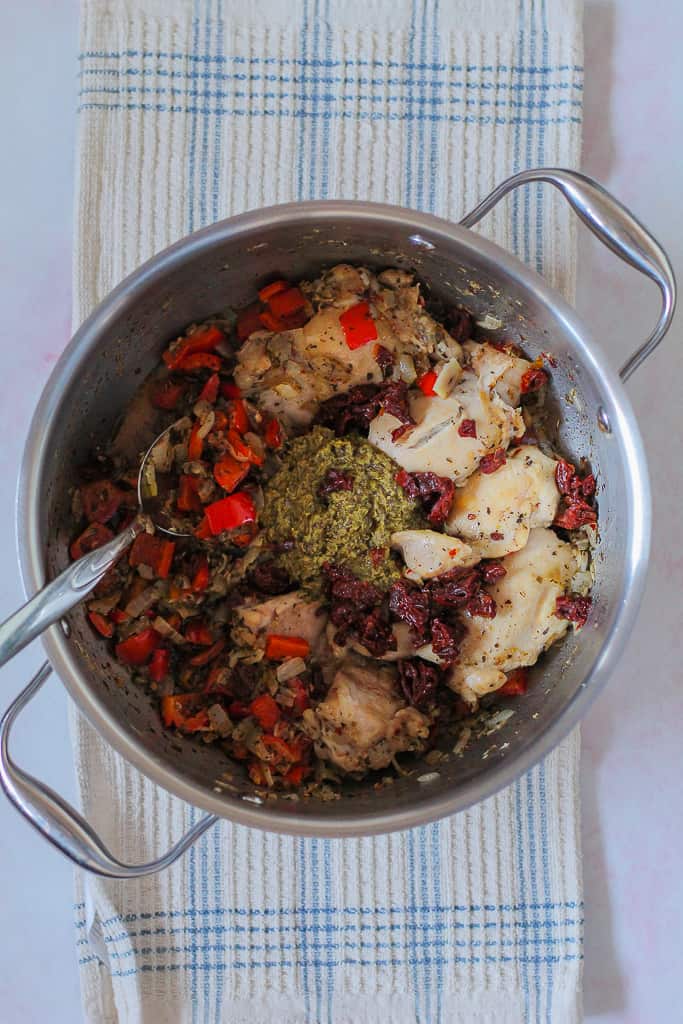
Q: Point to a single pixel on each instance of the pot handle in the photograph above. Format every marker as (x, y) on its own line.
(615, 226)
(58, 821)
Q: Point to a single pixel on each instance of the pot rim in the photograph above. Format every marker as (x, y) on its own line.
(624, 426)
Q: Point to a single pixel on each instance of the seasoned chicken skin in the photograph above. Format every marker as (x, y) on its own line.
(435, 444)
(287, 615)
(494, 512)
(363, 722)
(497, 370)
(289, 373)
(525, 624)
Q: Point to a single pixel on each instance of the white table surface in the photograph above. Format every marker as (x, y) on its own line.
(632, 809)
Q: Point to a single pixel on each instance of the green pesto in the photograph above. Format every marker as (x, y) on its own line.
(345, 526)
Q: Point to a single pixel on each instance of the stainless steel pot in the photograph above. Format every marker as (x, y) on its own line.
(223, 265)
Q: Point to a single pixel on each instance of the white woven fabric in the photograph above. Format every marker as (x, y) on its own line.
(193, 111)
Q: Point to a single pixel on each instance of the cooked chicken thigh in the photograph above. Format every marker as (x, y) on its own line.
(494, 512)
(525, 624)
(287, 615)
(363, 722)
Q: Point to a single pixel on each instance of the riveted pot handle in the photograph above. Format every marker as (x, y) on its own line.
(615, 226)
(58, 821)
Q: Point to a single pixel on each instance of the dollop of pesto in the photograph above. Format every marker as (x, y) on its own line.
(350, 527)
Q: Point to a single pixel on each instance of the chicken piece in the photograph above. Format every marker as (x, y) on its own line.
(286, 615)
(363, 722)
(525, 624)
(435, 445)
(494, 512)
(427, 553)
(290, 373)
(497, 370)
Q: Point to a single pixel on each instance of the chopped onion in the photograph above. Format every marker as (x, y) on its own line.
(161, 455)
(104, 605)
(290, 668)
(405, 368)
(167, 630)
(219, 720)
(489, 323)
(207, 425)
(142, 602)
(447, 377)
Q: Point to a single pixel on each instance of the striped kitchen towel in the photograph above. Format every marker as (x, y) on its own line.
(191, 110)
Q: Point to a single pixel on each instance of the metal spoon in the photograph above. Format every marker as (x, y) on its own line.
(82, 576)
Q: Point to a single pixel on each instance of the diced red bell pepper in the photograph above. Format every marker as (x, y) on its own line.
(230, 390)
(203, 530)
(284, 304)
(117, 615)
(249, 321)
(426, 383)
(266, 293)
(231, 512)
(241, 450)
(101, 500)
(228, 472)
(220, 421)
(279, 648)
(204, 657)
(153, 551)
(181, 710)
(279, 748)
(204, 340)
(300, 696)
(199, 361)
(160, 664)
(188, 499)
(269, 321)
(265, 710)
(273, 434)
(359, 327)
(195, 444)
(167, 393)
(237, 709)
(209, 392)
(197, 632)
(238, 417)
(296, 775)
(138, 649)
(104, 626)
(200, 580)
(94, 536)
(517, 683)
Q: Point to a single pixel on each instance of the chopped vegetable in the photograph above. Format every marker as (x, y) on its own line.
(280, 647)
(153, 551)
(533, 380)
(94, 536)
(265, 711)
(228, 472)
(248, 322)
(493, 461)
(273, 434)
(230, 390)
(230, 512)
(181, 710)
(426, 383)
(138, 649)
(517, 683)
(197, 632)
(204, 657)
(467, 428)
(199, 361)
(286, 302)
(238, 416)
(101, 500)
(209, 392)
(204, 340)
(195, 445)
(359, 327)
(188, 499)
(167, 393)
(200, 580)
(104, 626)
(160, 664)
(268, 291)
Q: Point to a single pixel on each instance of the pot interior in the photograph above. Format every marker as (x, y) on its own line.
(223, 267)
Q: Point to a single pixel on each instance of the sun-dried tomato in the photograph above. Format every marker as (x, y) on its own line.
(467, 428)
(453, 589)
(356, 609)
(384, 359)
(374, 632)
(335, 480)
(352, 410)
(577, 513)
(410, 604)
(493, 461)
(573, 608)
(492, 571)
(533, 380)
(270, 578)
(483, 605)
(435, 492)
(445, 640)
(419, 681)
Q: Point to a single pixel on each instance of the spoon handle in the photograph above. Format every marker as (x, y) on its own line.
(62, 594)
